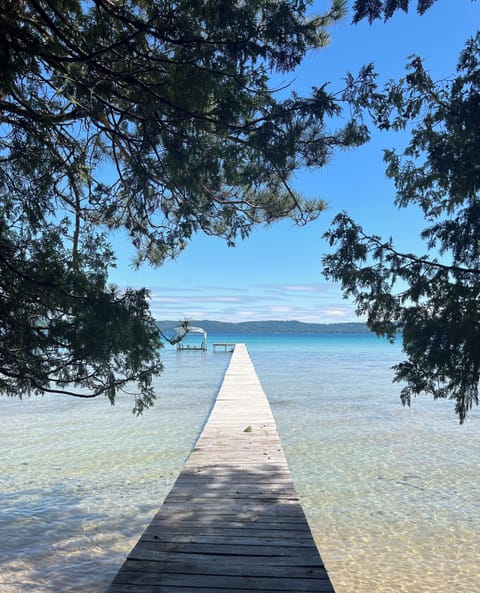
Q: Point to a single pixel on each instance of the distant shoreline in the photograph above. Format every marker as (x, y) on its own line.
(272, 327)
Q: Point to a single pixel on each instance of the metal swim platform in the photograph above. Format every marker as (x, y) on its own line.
(232, 521)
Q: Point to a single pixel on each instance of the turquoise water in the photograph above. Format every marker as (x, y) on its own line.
(390, 492)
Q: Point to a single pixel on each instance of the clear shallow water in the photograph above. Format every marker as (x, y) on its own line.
(390, 492)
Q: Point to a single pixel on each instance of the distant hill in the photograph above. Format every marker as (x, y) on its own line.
(268, 327)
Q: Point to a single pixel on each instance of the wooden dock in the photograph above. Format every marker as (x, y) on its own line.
(232, 521)
(225, 346)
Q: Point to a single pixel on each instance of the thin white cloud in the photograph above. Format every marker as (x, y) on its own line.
(195, 299)
(308, 302)
(336, 312)
(302, 287)
(282, 310)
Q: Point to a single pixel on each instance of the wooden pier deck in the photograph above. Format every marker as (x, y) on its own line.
(232, 521)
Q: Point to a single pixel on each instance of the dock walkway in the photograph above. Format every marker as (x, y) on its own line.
(232, 521)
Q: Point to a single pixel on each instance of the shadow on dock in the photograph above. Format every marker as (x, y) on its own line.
(233, 521)
(226, 530)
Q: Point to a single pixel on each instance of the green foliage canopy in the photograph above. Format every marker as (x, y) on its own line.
(152, 116)
(377, 9)
(432, 299)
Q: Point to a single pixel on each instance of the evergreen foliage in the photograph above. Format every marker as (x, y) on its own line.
(432, 299)
(152, 116)
(377, 9)
(160, 118)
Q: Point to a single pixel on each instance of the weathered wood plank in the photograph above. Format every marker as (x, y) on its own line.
(232, 521)
(161, 588)
(204, 518)
(308, 559)
(235, 583)
(209, 566)
(206, 483)
(236, 549)
(271, 507)
(211, 540)
(228, 528)
(283, 496)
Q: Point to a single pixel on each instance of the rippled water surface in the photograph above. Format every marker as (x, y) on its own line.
(390, 493)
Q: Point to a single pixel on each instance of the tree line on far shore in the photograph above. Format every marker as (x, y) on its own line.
(273, 327)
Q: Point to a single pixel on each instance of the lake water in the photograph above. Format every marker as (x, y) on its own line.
(390, 492)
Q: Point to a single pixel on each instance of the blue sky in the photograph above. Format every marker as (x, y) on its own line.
(276, 272)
